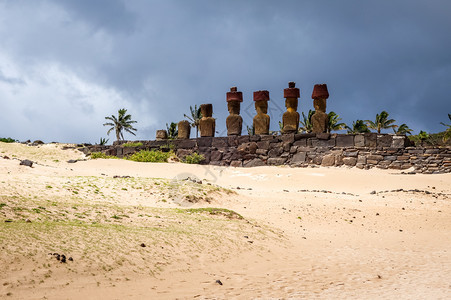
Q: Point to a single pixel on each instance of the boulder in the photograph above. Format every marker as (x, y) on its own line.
(276, 161)
(26, 162)
(345, 141)
(256, 162)
(298, 158)
(220, 142)
(328, 160)
(236, 163)
(384, 140)
(359, 140)
(350, 161)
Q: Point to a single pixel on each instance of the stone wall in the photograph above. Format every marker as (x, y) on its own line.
(363, 151)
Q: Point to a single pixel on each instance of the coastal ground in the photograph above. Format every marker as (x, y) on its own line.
(171, 230)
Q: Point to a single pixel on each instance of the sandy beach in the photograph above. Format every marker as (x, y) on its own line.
(179, 231)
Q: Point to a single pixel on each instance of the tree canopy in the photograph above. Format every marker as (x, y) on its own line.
(123, 122)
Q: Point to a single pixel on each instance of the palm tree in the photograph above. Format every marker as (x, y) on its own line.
(333, 124)
(195, 117)
(306, 123)
(448, 130)
(402, 129)
(358, 126)
(172, 130)
(382, 122)
(122, 122)
(423, 136)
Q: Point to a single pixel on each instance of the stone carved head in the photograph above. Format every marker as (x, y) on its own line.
(233, 107)
(261, 99)
(291, 103)
(261, 107)
(206, 110)
(319, 104)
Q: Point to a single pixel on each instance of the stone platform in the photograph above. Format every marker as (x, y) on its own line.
(385, 151)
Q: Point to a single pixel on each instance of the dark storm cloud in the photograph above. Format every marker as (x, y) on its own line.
(160, 57)
(110, 15)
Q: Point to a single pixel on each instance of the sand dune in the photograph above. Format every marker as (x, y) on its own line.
(140, 230)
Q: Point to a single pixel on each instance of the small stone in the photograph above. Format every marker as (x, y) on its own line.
(219, 282)
(373, 192)
(70, 259)
(63, 258)
(26, 162)
(143, 245)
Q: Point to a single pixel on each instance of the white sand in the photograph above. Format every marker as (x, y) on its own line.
(315, 232)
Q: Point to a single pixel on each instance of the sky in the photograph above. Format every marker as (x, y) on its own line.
(67, 64)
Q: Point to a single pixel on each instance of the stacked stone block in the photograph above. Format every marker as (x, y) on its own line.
(362, 151)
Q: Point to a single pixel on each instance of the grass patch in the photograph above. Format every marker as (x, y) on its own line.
(194, 158)
(96, 155)
(230, 214)
(132, 144)
(151, 156)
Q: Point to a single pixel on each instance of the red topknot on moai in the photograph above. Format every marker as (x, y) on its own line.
(234, 121)
(261, 120)
(320, 120)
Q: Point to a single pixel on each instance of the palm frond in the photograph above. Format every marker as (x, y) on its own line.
(121, 123)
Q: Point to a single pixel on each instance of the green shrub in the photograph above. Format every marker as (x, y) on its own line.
(7, 140)
(151, 156)
(213, 211)
(430, 139)
(96, 155)
(132, 144)
(194, 158)
(103, 141)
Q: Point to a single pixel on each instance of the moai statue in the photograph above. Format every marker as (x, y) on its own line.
(207, 123)
(184, 129)
(320, 119)
(162, 134)
(290, 118)
(261, 120)
(234, 121)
